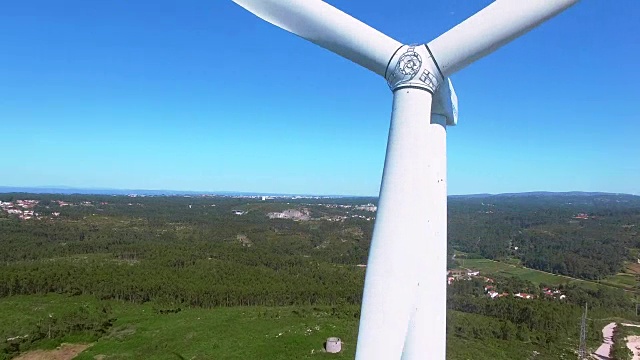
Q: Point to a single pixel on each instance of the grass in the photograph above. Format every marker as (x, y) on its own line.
(17, 313)
(471, 349)
(232, 333)
(222, 333)
(491, 267)
(624, 281)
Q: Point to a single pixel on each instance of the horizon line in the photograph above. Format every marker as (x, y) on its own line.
(125, 191)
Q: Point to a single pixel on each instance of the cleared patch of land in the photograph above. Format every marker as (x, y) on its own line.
(63, 352)
(633, 268)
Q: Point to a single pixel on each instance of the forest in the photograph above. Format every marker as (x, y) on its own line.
(587, 236)
(180, 252)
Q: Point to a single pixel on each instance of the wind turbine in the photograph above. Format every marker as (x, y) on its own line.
(404, 303)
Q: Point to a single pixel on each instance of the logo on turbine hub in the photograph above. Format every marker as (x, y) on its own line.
(409, 63)
(412, 66)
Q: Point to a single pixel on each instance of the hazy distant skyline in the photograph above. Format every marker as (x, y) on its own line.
(204, 96)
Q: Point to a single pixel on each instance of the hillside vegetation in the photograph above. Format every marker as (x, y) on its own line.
(133, 273)
(582, 236)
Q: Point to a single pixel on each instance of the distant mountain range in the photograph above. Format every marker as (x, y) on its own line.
(540, 194)
(102, 191)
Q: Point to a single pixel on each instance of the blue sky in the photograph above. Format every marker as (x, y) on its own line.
(202, 95)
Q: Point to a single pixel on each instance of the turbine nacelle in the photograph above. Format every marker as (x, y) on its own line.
(445, 102)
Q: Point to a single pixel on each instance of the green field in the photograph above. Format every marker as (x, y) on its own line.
(624, 281)
(140, 332)
(490, 267)
(224, 333)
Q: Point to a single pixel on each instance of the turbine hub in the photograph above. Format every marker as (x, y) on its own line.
(413, 66)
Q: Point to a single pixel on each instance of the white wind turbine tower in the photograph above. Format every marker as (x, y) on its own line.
(404, 301)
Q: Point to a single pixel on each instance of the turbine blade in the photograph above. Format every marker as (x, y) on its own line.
(489, 29)
(329, 28)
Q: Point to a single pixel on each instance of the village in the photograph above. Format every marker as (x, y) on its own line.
(22, 208)
(491, 287)
(25, 209)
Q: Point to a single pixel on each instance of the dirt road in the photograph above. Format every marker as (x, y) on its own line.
(633, 344)
(63, 352)
(604, 350)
